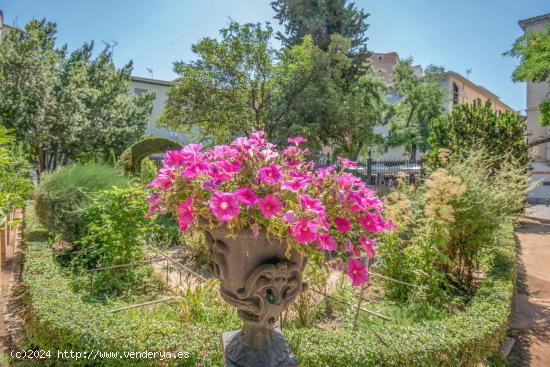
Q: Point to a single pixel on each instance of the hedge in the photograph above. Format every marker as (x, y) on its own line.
(131, 158)
(59, 319)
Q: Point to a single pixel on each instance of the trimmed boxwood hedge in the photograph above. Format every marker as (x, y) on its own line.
(131, 158)
(59, 319)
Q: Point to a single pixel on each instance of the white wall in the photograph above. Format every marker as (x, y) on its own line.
(536, 93)
(158, 106)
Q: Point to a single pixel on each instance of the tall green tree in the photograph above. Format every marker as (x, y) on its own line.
(533, 50)
(421, 101)
(314, 98)
(240, 84)
(64, 106)
(225, 91)
(477, 126)
(321, 19)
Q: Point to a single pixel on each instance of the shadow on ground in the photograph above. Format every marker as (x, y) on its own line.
(531, 306)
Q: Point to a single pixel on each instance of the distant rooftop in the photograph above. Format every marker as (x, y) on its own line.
(539, 18)
(479, 87)
(149, 80)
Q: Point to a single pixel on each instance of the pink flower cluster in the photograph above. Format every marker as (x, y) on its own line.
(250, 184)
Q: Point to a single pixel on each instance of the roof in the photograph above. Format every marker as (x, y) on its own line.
(539, 18)
(484, 90)
(149, 80)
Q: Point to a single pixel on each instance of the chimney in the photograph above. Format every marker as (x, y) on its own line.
(1, 19)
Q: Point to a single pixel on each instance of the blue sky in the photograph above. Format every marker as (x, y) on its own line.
(458, 35)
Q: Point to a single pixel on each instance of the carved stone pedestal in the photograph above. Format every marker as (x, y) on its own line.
(260, 281)
(237, 354)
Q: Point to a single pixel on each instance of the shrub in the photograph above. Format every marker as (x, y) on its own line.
(478, 126)
(457, 212)
(15, 179)
(114, 232)
(63, 195)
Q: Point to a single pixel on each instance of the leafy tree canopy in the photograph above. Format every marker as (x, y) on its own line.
(314, 98)
(321, 19)
(240, 84)
(533, 49)
(225, 92)
(61, 105)
(421, 99)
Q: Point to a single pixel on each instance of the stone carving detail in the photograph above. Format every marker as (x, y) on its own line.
(260, 298)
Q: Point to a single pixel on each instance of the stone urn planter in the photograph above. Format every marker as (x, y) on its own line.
(260, 281)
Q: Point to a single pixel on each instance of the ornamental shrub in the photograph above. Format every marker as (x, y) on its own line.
(478, 126)
(456, 213)
(63, 195)
(114, 232)
(327, 213)
(15, 178)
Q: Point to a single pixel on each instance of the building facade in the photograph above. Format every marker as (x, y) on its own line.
(460, 90)
(159, 87)
(463, 91)
(536, 94)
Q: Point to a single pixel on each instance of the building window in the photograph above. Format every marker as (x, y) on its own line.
(455, 93)
(140, 90)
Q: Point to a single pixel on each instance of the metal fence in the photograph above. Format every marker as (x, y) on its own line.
(383, 174)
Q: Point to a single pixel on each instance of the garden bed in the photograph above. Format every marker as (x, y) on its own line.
(61, 319)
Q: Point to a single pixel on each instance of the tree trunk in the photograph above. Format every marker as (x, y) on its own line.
(413, 152)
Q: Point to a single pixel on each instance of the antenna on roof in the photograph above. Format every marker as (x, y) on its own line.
(150, 72)
(110, 45)
(468, 72)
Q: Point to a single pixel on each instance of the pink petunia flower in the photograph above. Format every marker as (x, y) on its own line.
(390, 226)
(185, 211)
(324, 172)
(295, 185)
(342, 224)
(372, 222)
(246, 196)
(297, 140)
(182, 225)
(346, 163)
(289, 217)
(230, 167)
(311, 204)
(304, 231)
(212, 185)
(174, 159)
(357, 272)
(367, 244)
(326, 242)
(224, 205)
(347, 180)
(194, 169)
(270, 174)
(163, 181)
(270, 206)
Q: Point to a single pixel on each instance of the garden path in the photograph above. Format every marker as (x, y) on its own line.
(11, 324)
(531, 315)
